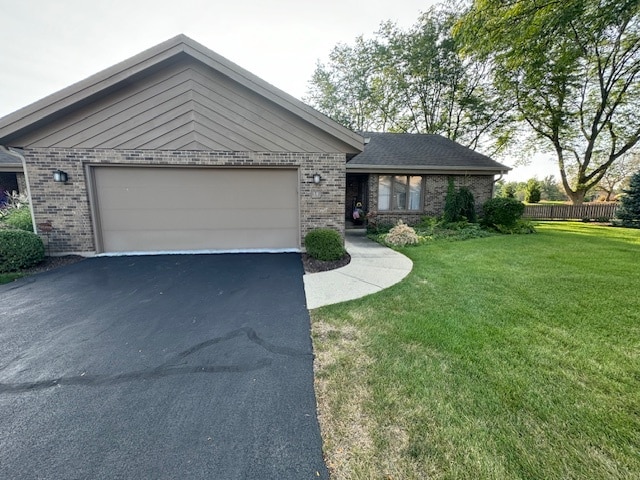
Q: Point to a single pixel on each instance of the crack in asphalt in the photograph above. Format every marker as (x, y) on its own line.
(169, 368)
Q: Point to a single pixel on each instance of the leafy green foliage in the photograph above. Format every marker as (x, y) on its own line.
(502, 211)
(19, 249)
(467, 204)
(629, 211)
(324, 244)
(18, 218)
(533, 191)
(573, 68)
(451, 204)
(9, 277)
(520, 227)
(509, 190)
(412, 80)
(459, 205)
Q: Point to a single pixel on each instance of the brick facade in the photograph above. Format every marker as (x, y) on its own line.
(22, 182)
(63, 208)
(434, 193)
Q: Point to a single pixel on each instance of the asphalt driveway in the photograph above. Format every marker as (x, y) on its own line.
(159, 367)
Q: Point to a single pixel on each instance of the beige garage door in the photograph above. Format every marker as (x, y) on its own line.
(171, 209)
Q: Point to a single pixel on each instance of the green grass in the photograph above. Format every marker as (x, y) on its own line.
(507, 357)
(9, 277)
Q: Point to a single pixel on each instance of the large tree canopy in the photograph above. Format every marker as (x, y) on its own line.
(572, 69)
(412, 81)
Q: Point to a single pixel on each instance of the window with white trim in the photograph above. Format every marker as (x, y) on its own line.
(399, 193)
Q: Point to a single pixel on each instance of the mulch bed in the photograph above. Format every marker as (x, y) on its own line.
(49, 263)
(312, 265)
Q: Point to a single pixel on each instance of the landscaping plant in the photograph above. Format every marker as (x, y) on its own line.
(17, 218)
(502, 211)
(19, 249)
(324, 244)
(629, 211)
(402, 235)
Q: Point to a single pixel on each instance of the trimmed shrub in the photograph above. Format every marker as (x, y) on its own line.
(401, 235)
(19, 249)
(324, 244)
(502, 211)
(18, 218)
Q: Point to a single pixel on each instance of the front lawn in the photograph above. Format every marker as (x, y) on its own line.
(507, 357)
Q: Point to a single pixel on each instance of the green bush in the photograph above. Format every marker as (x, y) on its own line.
(18, 218)
(19, 249)
(532, 194)
(467, 204)
(324, 244)
(520, 227)
(459, 205)
(502, 211)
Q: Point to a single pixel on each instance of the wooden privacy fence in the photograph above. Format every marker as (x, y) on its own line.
(591, 211)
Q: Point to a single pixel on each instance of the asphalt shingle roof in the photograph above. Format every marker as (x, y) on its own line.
(425, 151)
(8, 159)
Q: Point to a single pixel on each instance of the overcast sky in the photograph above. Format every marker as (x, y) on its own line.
(46, 45)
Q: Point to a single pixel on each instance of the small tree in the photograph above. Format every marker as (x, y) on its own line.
(629, 210)
(532, 194)
(509, 190)
(459, 205)
(451, 204)
(467, 204)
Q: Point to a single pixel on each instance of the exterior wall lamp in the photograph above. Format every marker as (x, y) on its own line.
(316, 178)
(60, 176)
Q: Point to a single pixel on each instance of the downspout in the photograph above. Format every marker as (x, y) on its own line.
(496, 180)
(10, 151)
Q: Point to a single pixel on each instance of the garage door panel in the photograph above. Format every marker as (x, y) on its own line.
(227, 192)
(155, 220)
(165, 240)
(152, 208)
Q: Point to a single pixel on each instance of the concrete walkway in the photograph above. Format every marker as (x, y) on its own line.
(373, 268)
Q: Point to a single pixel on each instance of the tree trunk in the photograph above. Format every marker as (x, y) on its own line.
(577, 197)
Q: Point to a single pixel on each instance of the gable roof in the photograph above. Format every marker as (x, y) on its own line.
(74, 101)
(404, 152)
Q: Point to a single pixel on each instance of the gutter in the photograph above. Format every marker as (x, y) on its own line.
(17, 154)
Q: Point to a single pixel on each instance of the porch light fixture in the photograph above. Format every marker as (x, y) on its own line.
(60, 176)
(316, 178)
